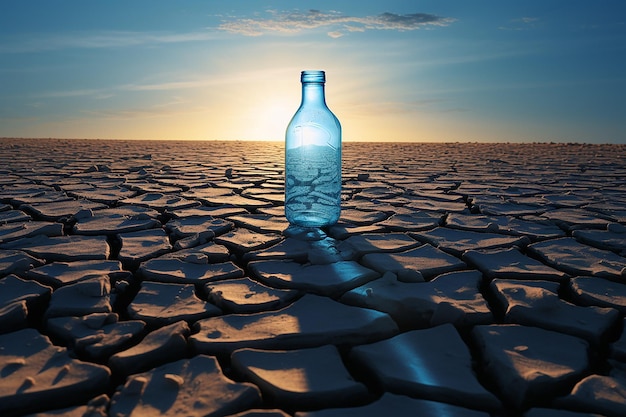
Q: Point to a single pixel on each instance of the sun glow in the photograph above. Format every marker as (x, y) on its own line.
(270, 119)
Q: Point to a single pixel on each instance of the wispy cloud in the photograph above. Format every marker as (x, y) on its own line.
(297, 21)
(432, 105)
(183, 81)
(101, 39)
(174, 106)
(335, 34)
(523, 23)
(194, 81)
(91, 92)
(141, 113)
(112, 91)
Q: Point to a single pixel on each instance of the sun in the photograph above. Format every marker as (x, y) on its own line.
(266, 120)
(274, 117)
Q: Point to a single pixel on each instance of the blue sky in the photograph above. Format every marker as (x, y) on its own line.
(509, 71)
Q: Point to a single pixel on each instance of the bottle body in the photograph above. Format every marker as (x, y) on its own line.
(313, 159)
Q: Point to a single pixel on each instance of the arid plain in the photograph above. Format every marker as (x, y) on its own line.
(160, 278)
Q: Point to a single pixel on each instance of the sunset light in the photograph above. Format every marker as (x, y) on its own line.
(270, 118)
(396, 70)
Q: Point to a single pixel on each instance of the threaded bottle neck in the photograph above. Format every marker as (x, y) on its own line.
(318, 77)
(313, 88)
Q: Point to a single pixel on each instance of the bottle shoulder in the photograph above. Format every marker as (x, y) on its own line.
(315, 115)
(313, 129)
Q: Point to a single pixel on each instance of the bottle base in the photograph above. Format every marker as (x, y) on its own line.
(311, 220)
(308, 234)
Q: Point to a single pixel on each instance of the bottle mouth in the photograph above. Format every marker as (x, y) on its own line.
(313, 76)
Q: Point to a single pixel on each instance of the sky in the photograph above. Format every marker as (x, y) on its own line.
(396, 70)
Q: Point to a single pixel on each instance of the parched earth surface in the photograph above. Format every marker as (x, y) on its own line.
(142, 278)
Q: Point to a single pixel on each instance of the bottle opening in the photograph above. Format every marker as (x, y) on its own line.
(313, 76)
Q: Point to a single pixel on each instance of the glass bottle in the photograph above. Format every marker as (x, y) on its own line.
(313, 159)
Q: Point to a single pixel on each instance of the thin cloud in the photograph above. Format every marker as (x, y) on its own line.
(72, 93)
(104, 93)
(185, 82)
(200, 81)
(297, 21)
(432, 105)
(523, 23)
(407, 21)
(174, 107)
(103, 39)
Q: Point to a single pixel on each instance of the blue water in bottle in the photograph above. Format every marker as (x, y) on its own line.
(313, 159)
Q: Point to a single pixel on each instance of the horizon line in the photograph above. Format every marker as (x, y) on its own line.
(510, 142)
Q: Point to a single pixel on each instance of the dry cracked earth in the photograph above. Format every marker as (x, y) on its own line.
(144, 278)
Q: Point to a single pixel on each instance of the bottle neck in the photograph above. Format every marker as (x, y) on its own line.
(313, 93)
